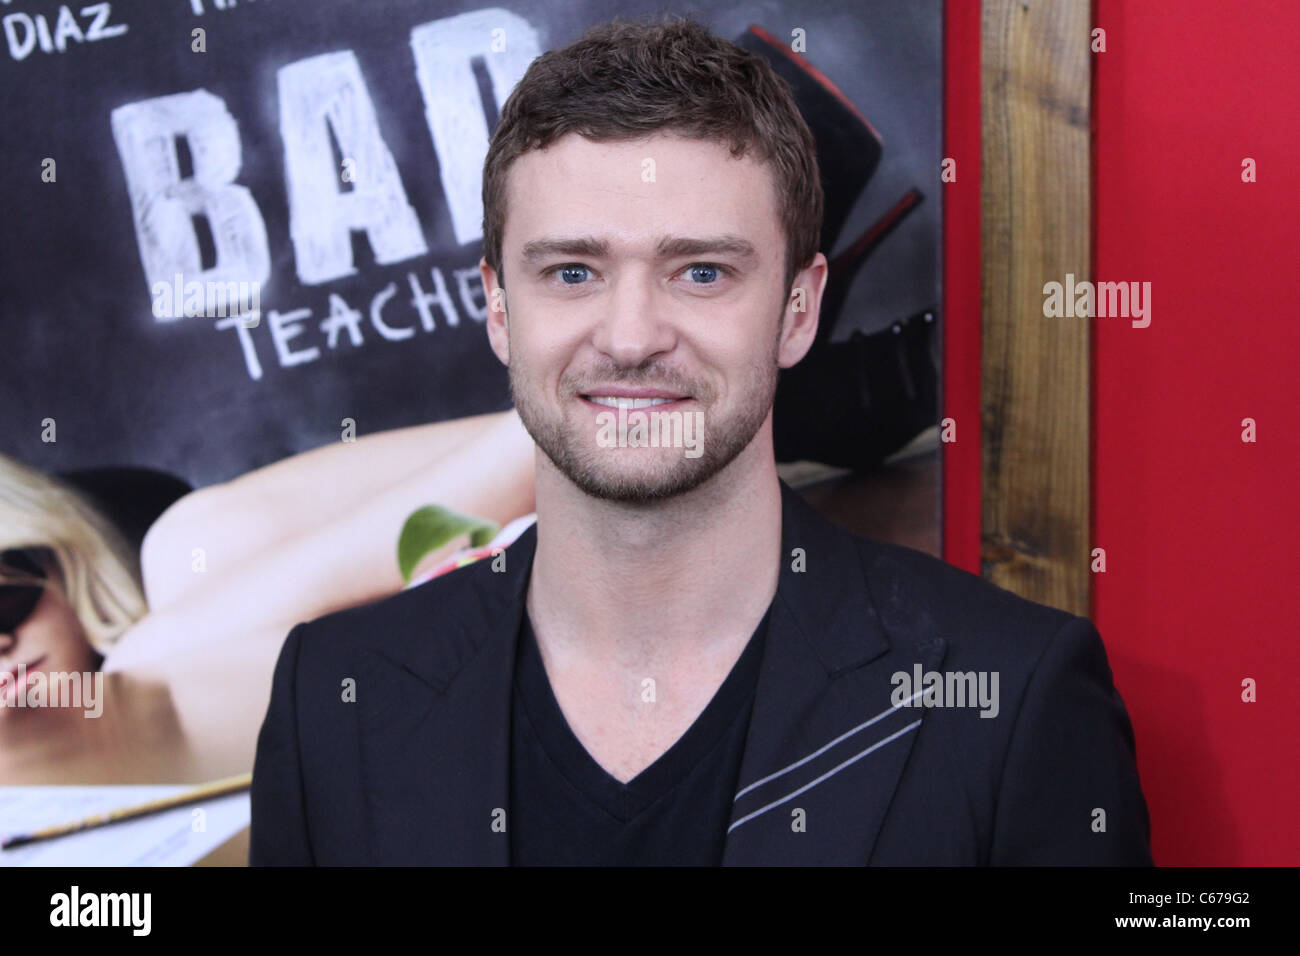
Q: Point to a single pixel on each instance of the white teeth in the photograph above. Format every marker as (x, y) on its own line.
(621, 402)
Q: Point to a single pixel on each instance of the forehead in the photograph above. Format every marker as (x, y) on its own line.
(634, 192)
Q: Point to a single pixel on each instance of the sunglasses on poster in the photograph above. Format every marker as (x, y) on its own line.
(17, 601)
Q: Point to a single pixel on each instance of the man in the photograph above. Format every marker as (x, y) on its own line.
(680, 662)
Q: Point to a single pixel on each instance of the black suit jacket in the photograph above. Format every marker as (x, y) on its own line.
(415, 769)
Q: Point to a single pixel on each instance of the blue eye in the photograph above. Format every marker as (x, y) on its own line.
(567, 271)
(708, 273)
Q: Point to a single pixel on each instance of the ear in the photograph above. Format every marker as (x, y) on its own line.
(802, 309)
(498, 322)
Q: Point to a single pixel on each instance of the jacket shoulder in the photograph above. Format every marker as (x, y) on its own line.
(393, 625)
(923, 596)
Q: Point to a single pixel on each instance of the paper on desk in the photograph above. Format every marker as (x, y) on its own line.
(166, 838)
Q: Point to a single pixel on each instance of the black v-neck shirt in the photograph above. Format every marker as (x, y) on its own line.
(567, 810)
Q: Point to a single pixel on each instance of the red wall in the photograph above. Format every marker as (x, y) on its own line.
(961, 284)
(1200, 528)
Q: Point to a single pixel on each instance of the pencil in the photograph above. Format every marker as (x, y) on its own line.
(206, 791)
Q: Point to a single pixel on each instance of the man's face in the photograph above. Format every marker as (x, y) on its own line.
(650, 268)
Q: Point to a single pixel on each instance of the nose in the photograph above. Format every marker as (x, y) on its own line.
(633, 326)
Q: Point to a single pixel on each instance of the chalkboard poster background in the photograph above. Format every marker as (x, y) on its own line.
(82, 347)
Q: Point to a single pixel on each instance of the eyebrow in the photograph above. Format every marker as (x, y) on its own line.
(668, 247)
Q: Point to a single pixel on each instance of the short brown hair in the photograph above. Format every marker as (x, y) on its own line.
(623, 80)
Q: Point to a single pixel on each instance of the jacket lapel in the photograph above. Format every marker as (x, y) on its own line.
(826, 746)
(435, 718)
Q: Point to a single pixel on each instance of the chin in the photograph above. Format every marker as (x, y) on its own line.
(634, 484)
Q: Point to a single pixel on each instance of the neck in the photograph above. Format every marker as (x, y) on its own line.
(672, 580)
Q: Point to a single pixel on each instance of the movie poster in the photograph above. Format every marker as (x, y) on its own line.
(245, 376)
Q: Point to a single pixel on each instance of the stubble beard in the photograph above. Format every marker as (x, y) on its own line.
(656, 473)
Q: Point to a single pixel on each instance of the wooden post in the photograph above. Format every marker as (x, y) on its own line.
(1036, 228)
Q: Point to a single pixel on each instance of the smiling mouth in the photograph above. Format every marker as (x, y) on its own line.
(623, 401)
(12, 689)
(26, 668)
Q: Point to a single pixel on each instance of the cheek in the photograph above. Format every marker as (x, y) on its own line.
(746, 354)
(542, 359)
(55, 633)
